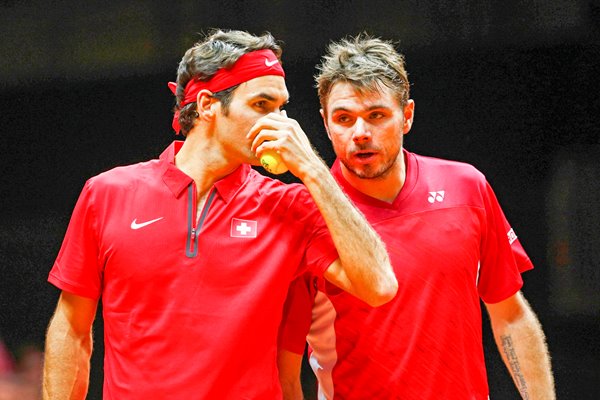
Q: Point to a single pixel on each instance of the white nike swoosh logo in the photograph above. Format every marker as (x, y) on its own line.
(270, 63)
(135, 225)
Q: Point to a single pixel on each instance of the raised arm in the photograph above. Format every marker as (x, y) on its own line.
(68, 348)
(363, 268)
(523, 348)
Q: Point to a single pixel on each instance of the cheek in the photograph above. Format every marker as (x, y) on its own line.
(337, 141)
(337, 133)
(392, 133)
(246, 122)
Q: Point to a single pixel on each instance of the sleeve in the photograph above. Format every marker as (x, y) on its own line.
(297, 314)
(320, 250)
(503, 259)
(76, 269)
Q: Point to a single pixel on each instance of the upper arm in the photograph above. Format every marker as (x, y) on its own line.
(75, 312)
(508, 310)
(297, 314)
(503, 259)
(290, 366)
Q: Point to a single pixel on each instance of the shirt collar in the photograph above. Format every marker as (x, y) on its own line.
(229, 185)
(174, 178)
(178, 181)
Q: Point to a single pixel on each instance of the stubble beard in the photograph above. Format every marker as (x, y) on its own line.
(372, 172)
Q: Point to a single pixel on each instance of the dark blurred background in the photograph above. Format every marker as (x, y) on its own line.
(511, 87)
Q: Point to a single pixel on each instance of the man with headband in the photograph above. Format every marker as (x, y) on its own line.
(193, 253)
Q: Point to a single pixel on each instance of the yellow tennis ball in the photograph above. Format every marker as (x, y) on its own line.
(272, 162)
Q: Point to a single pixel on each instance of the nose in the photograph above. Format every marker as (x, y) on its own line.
(362, 133)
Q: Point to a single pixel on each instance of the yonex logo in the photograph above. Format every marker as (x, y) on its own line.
(243, 228)
(436, 196)
(270, 63)
(135, 225)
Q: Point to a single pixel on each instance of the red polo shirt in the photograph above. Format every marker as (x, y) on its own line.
(450, 246)
(191, 304)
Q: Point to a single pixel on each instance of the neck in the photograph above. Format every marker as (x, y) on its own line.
(204, 162)
(385, 187)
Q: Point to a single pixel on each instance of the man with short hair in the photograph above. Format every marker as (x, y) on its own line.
(192, 253)
(450, 246)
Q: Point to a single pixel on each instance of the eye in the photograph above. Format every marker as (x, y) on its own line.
(343, 118)
(260, 104)
(376, 115)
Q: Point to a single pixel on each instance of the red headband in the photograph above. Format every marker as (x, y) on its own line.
(249, 66)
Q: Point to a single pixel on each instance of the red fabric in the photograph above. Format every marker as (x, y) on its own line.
(249, 66)
(450, 246)
(181, 327)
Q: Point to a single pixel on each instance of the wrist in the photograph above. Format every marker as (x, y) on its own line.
(315, 173)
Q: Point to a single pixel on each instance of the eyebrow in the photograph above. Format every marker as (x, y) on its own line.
(267, 96)
(371, 108)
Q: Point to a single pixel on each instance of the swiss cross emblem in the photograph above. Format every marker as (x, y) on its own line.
(243, 228)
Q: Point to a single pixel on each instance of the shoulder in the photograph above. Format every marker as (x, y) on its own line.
(448, 171)
(458, 168)
(123, 176)
(447, 183)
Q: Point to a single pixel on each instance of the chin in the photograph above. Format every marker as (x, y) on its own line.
(369, 172)
(365, 172)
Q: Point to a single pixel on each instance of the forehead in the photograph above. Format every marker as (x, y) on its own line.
(344, 95)
(269, 86)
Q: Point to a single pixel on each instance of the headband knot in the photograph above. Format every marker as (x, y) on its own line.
(248, 66)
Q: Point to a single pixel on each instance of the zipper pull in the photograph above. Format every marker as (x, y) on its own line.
(193, 233)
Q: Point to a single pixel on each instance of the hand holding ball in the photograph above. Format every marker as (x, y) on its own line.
(272, 162)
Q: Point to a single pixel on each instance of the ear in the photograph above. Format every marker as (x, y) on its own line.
(206, 104)
(325, 122)
(409, 115)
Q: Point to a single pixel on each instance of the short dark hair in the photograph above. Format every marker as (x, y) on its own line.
(218, 49)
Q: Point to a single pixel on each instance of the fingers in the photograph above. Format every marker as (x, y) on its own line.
(272, 127)
(271, 121)
(283, 135)
(266, 139)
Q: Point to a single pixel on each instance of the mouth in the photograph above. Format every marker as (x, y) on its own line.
(364, 156)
